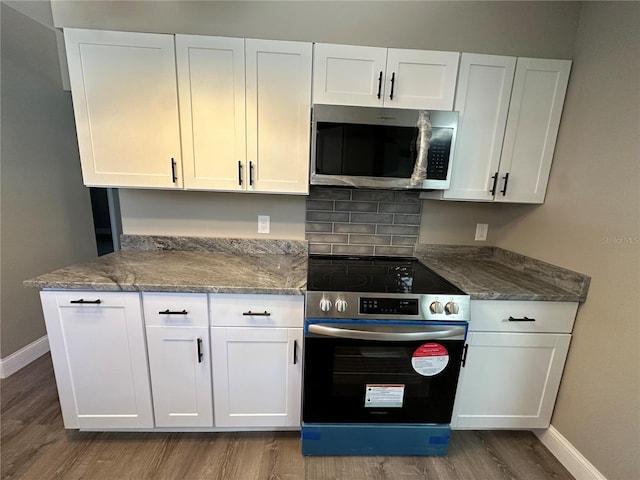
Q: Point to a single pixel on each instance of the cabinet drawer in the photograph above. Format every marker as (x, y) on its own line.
(232, 310)
(178, 309)
(494, 315)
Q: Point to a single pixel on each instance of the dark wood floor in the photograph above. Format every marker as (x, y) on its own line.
(35, 445)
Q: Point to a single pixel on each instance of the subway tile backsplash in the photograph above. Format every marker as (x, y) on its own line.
(342, 221)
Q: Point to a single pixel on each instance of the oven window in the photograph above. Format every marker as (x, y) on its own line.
(338, 372)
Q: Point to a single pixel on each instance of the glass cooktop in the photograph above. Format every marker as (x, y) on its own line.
(334, 273)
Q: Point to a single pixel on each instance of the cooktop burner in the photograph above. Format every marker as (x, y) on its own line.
(334, 273)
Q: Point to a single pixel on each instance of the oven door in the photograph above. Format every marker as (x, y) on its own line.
(381, 371)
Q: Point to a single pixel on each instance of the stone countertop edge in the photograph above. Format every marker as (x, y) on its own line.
(493, 273)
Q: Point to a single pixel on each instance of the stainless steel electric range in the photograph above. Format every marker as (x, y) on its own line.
(384, 344)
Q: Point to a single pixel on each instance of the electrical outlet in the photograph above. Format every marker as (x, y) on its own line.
(481, 231)
(264, 223)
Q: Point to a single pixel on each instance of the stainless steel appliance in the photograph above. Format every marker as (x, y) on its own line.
(384, 343)
(382, 147)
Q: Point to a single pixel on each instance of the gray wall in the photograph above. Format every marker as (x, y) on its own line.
(45, 210)
(537, 29)
(590, 222)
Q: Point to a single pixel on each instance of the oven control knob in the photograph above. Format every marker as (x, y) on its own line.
(451, 308)
(341, 305)
(325, 304)
(435, 307)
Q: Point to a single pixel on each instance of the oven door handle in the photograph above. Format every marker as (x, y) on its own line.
(452, 333)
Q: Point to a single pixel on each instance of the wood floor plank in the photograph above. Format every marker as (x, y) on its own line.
(35, 446)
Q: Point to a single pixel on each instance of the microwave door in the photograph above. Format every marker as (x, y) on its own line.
(358, 155)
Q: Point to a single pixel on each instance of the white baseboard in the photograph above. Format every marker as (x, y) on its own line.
(568, 455)
(23, 357)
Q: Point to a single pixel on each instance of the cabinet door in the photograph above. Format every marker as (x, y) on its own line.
(510, 380)
(99, 358)
(420, 79)
(348, 74)
(257, 375)
(532, 127)
(278, 97)
(180, 376)
(482, 100)
(212, 111)
(126, 107)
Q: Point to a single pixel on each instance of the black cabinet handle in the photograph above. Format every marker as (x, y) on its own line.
(393, 80)
(295, 352)
(523, 319)
(200, 355)
(464, 354)
(173, 171)
(82, 300)
(250, 173)
(257, 314)
(380, 84)
(495, 184)
(169, 312)
(239, 173)
(506, 179)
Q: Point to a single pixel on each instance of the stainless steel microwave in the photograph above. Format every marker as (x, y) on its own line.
(382, 147)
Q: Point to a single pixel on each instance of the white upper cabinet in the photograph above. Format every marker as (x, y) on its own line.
(211, 89)
(126, 107)
(278, 99)
(509, 117)
(421, 79)
(242, 122)
(532, 128)
(377, 77)
(348, 74)
(482, 100)
(245, 107)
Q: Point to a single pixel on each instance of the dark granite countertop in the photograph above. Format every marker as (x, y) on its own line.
(161, 265)
(492, 273)
(180, 264)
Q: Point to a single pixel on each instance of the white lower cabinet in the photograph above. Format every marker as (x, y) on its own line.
(256, 356)
(99, 357)
(257, 376)
(178, 344)
(514, 363)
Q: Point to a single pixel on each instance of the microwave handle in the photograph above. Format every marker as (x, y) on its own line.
(453, 333)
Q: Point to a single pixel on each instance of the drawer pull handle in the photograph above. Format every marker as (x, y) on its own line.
(523, 319)
(256, 314)
(169, 312)
(82, 300)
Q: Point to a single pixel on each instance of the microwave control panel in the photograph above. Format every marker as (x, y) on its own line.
(439, 153)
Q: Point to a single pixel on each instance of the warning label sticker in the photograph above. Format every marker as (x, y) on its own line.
(389, 396)
(430, 359)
